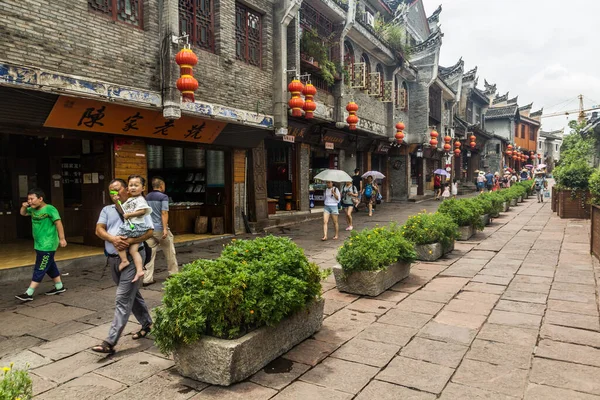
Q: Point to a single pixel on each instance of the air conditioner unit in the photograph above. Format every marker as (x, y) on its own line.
(370, 19)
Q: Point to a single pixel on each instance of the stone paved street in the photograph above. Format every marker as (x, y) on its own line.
(510, 314)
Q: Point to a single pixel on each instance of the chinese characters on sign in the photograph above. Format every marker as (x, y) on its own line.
(94, 116)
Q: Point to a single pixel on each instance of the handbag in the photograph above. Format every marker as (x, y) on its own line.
(378, 198)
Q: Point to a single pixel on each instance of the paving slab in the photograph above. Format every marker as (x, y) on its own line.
(367, 352)
(158, 387)
(14, 324)
(65, 347)
(515, 319)
(377, 307)
(302, 390)
(479, 287)
(508, 334)
(433, 351)
(577, 297)
(430, 295)
(416, 374)
(581, 378)
(135, 368)
(89, 386)
(455, 391)
(391, 334)
(471, 321)
(495, 378)
(310, 352)
(239, 391)
(511, 355)
(72, 367)
(521, 307)
(277, 379)
(340, 375)
(419, 306)
(55, 312)
(541, 392)
(529, 297)
(572, 307)
(447, 333)
(570, 335)
(568, 352)
(16, 344)
(25, 359)
(404, 318)
(393, 296)
(573, 320)
(386, 391)
(41, 385)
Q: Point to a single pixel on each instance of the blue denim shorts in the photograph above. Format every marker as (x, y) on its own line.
(331, 210)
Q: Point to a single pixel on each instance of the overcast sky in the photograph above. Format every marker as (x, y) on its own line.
(544, 51)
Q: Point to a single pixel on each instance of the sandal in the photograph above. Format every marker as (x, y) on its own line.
(105, 348)
(142, 333)
(323, 239)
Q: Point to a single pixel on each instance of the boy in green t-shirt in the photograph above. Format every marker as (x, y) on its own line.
(48, 234)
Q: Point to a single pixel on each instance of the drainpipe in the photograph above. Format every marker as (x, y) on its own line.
(284, 13)
(350, 19)
(169, 28)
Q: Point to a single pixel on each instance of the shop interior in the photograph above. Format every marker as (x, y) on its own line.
(195, 180)
(280, 175)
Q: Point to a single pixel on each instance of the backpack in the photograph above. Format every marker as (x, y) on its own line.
(538, 184)
(369, 190)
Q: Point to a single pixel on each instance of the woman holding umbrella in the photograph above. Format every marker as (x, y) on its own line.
(369, 194)
(332, 199)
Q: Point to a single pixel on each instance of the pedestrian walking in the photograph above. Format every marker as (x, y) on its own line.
(454, 188)
(134, 210)
(369, 194)
(332, 200)
(48, 234)
(128, 297)
(358, 184)
(489, 181)
(349, 197)
(539, 185)
(481, 181)
(446, 193)
(159, 202)
(437, 186)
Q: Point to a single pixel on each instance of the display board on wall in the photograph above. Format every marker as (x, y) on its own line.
(95, 116)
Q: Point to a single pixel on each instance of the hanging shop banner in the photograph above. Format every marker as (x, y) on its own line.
(94, 116)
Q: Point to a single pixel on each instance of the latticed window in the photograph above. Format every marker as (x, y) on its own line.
(248, 35)
(126, 11)
(196, 19)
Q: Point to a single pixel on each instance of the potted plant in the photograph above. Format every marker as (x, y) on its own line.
(433, 234)
(373, 260)
(572, 181)
(465, 213)
(486, 206)
(225, 319)
(497, 203)
(594, 186)
(15, 384)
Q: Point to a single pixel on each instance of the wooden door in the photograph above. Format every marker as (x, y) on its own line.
(97, 173)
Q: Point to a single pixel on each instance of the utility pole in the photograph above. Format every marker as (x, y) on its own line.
(581, 117)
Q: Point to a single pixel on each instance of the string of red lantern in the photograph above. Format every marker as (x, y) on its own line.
(186, 84)
(457, 148)
(309, 105)
(399, 134)
(447, 145)
(296, 103)
(434, 135)
(473, 142)
(352, 119)
(509, 151)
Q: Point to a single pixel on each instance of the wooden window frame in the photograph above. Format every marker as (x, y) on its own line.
(197, 22)
(112, 12)
(244, 35)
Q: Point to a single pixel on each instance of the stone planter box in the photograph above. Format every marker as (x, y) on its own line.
(485, 218)
(429, 252)
(465, 232)
(568, 207)
(449, 248)
(371, 283)
(554, 200)
(223, 362)
(513, 202)
(495, 215)
(505, 206)
(520, 199)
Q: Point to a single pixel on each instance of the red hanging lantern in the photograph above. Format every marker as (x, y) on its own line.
(399, 134)
(473, 143)
(434, 135)
(186, 84)
(309, 105)
(447, 145)
(352, 119)
(296, 103)
(457, 152)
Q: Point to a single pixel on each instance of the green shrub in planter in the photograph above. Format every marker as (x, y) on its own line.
(427, 228)
(484, 203)
(374, 249)
(574, 176)
(463, 211)
(496, 200)
(594, 185)
(253, 283)
(15, 384)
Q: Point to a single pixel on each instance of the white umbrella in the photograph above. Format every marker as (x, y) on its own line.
(374, 174)
(333, 175)
(541, 166)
